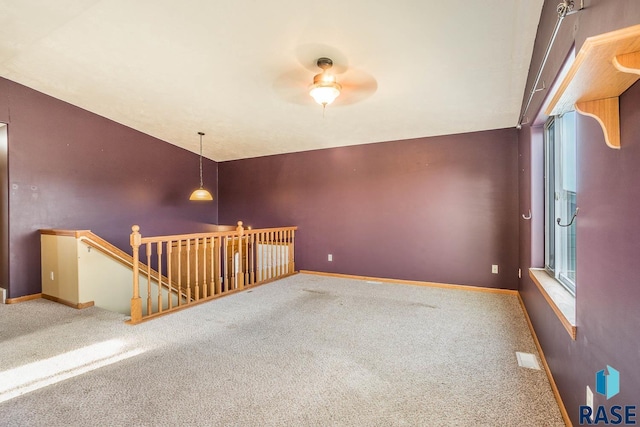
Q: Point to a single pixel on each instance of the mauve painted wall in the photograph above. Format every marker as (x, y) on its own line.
(69, 168)
(608, 236)
(441, 209)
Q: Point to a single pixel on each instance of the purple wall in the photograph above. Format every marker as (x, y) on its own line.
(440, 209)
(608, 232)
(69, 168)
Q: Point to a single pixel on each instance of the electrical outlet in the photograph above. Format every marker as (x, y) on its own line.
(519, 273)
(590, 401)
(494, 269)
(52, 276)
(330, 257)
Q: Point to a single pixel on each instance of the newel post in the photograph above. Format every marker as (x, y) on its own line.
(240, 273)
(136, 301)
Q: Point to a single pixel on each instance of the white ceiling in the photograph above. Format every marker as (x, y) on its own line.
(239, 70)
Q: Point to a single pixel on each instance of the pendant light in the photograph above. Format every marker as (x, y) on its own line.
(201, 194)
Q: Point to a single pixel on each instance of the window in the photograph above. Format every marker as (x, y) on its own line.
(560, 199)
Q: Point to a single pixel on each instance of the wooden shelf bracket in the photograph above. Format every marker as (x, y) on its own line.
(606, 66)
(607, 113)
(628, 63)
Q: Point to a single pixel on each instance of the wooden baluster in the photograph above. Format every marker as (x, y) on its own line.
(242, 268)
(265, 253)
(232, 261)
(247, 255)
(179, 258)
(252, 259)
(243, 260)
(149, 302)
(217, 266)
(280, 254)
(136, 301)
(204, 268)
(275, 249)
(260, 255)
(225, 263)
(263, 257)
(256, 267)
(169, 262)
(283, 254)
(267, 262)
(292, 264)
(240, 272)
(273, 256)
(286, 249)
(290, 251)
(291, 248)
(188, 265)
(232, 273)
(236, 264)
(212, 270)
(196, 287)
(159, 250)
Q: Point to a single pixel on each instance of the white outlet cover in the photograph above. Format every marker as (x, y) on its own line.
(527, 360)
(330, 257)
(494, 269)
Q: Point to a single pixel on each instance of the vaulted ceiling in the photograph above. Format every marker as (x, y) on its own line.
(239, 70)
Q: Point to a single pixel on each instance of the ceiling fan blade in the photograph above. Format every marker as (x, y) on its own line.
(357, 85)
(292, 86)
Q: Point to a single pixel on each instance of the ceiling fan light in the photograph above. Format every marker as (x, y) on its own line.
(325, 78)
(201, 195)
(325, 93)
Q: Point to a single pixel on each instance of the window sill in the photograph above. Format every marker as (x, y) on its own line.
(561, 301)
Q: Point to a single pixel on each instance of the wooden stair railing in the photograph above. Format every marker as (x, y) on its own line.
(204, 266)
(93, 240)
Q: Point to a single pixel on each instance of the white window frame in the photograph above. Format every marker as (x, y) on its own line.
(560, 179)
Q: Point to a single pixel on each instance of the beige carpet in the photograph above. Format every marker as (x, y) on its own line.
(306, 350)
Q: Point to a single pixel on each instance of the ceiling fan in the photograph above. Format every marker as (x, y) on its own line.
(325, 79)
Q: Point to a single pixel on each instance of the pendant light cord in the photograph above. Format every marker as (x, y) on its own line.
(201, 134)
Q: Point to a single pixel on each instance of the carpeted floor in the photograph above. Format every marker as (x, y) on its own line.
(306, 350)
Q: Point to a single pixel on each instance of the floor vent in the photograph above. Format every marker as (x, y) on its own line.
(527, 360)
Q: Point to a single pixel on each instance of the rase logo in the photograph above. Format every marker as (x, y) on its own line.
(608, 385)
